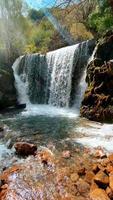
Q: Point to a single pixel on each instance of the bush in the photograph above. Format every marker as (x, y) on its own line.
(101, 19)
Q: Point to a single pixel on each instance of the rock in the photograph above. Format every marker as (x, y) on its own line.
(46, 157)
(97, 104)
(1, 129)
(109, 168)
(89, 176)
(111, 180)
(93, 186)
(25, 149)
(95, 168)
(20, 106)
(82, 171)
(7, 89)
(109, 192)
(110, 157)
(101, 179)
(66, 154)
(99, 194)
(100, 154)
(82, 186)
(74, 177)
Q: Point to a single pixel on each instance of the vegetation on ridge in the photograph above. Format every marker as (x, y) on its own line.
(26, 30)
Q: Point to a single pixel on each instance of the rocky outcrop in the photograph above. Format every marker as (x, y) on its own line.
(7, 90)
(98, 100)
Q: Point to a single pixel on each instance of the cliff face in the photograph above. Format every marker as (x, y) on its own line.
(7, 89)
(98, 99)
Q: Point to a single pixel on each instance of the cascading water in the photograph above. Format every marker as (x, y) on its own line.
(52, 78)
(61, 76)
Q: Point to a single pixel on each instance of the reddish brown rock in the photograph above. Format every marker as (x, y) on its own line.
(74, 177)
(99, 194)
(101, 179)
(66, 154)
(111, 180)
(82, 171)
(82, 186)
(93, 186)
(109, 168)
(110, 157)
(95, 168)
(25, 149)
(97, 104)
(89, 176)
(109, 192)
(46, 157)
(100, 153)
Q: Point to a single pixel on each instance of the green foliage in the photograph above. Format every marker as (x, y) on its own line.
(40, 37)
(102, 18)
(35, 15)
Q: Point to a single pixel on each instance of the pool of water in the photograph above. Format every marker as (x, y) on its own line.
(51, 127)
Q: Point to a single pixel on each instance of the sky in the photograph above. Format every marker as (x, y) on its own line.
(37, 4)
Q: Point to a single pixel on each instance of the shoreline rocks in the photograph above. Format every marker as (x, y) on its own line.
(82, 176)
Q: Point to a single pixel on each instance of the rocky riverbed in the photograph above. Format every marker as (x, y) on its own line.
(55, 158)
(79, 174)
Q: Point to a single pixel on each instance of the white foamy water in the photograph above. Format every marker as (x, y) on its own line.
(4, 152)
(61, 77)
(96, 135)
(51, 111)
(20, 83)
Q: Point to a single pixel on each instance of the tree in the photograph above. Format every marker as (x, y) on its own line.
(12, 27)
(35, 15)
(101, 19)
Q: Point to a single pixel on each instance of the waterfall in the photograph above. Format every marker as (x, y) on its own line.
(62, 62)
(53, 78)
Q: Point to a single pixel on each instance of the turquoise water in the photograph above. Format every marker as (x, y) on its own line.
(40, 129)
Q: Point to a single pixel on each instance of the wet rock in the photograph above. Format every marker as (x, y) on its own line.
(82, 171)
(46, 157)
(74, 177)
(111, 180)
(99, 194)
(100, 154)
(20, 106)
(82, 186)
(25, 149)
(101, 179)
(109, 168)
(93, 186)
(1, 129)
(89, 176)
(109, 192)
(66, 154)
(110, 157)
(7, 89)
(95, 168)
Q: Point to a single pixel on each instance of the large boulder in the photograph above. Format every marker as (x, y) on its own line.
(7, 89)
(98, 99)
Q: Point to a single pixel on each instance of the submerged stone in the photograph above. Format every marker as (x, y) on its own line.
(25, 149)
